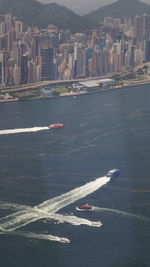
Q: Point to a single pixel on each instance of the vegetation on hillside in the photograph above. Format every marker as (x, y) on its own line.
(34, 13)
(121, 9)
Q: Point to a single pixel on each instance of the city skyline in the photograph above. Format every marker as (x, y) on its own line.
(36, 55)
(83, 7)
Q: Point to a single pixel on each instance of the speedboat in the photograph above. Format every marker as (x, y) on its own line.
(85, 207)
(113, 173)
(56, 126)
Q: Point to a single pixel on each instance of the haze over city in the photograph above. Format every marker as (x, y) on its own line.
(84, 6)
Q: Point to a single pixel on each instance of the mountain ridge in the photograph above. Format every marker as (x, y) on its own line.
(120, 9)
(34, 13)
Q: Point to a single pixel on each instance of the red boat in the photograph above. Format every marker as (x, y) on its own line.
(56, 126)
(85, 207)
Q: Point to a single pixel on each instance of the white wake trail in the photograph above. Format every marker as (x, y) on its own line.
(23, 130)
(13, 206)
(39, 236)
(57, 203)
(44, 237)
(42, 214)
(72, 220)
(123, 213)
(48, 208)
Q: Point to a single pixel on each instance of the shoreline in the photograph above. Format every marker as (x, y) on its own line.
(68, 94)
(9, 100)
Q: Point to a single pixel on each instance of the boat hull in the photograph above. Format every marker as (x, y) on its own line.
(113, 173)
(84, 208)
(56, 126)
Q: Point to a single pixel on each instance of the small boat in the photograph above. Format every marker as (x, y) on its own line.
(85, 207)
(56, 126)
(113, 173)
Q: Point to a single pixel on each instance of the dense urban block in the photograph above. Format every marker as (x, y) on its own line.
(32, 55)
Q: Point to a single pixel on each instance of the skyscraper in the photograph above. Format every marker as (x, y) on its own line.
(24, 69)
(2, 67)
(47, 64)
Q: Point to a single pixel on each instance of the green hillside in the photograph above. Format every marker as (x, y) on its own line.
(120, 9)
(32, 12)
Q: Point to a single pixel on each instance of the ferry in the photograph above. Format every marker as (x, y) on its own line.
(113, 173)
(85, 207)
(56, 126)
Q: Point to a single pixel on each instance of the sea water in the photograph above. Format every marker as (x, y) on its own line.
(104, 130)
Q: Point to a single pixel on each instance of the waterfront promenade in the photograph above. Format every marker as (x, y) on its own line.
(44, 83)
(125, 83)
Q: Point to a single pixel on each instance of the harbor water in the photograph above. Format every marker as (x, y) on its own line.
(45, 171)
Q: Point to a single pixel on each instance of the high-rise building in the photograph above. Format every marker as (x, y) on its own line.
(3, 64)
(16, 74)
(35, 46)
(24, 69)
(47, 64)
(132, 56)
(147, 56)
(18, 29)
(138, 28)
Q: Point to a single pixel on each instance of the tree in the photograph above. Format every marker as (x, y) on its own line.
(55, 93)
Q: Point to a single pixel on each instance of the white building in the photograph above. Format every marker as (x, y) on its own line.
(93, 83)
